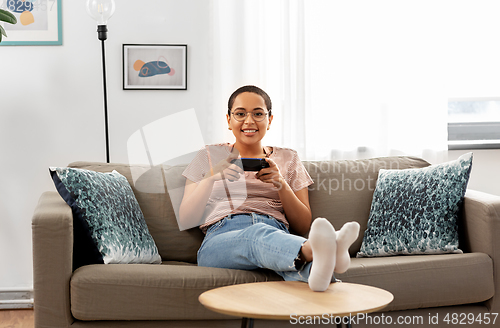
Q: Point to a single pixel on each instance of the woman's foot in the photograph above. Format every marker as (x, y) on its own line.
(345, 237)
(324, 248)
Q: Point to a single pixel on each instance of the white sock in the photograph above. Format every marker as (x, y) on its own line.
(345, 237)
(323, 245)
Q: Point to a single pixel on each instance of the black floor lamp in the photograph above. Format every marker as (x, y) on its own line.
(101, 11)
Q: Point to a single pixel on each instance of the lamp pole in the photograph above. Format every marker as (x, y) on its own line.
(101, 11)
(102, 35)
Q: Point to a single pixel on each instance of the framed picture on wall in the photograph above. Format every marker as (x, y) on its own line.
(38, 23)
(154, 67)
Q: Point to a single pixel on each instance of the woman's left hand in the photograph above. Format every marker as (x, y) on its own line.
(271, 174)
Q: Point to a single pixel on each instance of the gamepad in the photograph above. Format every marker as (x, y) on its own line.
(253, 164)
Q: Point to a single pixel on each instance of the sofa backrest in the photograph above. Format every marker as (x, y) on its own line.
(343, 189)
(342, 192)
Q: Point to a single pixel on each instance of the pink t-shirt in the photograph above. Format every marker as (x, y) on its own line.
(248, 194)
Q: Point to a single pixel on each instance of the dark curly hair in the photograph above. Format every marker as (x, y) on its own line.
(252, 89)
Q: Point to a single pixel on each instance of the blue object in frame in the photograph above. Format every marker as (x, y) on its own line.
(154, 68)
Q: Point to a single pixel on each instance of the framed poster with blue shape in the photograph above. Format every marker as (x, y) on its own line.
(38, 22)
(154, 67)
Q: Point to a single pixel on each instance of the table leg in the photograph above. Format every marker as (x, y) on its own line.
(246, 322)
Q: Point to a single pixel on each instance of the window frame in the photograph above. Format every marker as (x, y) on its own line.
(473, 135)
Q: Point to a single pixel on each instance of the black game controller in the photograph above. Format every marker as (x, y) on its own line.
(253, 164)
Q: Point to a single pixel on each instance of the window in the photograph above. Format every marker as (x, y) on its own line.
(474, 123)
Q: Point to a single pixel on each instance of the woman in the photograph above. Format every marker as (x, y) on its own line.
(251, 231)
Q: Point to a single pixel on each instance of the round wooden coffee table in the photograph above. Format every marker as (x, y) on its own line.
(291, 300)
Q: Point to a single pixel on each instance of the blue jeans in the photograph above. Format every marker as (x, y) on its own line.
(252, 241)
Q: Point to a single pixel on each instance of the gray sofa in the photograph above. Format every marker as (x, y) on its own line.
(427, 288)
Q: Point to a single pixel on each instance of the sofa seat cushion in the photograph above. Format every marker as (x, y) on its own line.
(151, 292)
(423, 281)
(170, 291)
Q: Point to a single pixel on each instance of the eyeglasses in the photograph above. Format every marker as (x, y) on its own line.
(258, 115)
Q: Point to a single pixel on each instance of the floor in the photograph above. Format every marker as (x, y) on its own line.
(16, 319)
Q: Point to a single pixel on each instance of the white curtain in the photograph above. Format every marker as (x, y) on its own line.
(351, 79)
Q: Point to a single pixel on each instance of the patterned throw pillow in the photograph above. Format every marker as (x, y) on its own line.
(109, 225)
(415, 211)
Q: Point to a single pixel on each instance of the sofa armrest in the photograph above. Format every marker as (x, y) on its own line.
(481, 219)
(52, 228)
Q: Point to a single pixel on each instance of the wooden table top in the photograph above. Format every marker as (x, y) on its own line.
(280, 299)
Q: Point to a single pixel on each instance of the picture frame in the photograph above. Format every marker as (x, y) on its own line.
(39, 23)
(154, 67)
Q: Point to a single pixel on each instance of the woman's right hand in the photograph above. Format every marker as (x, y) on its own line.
(226, 169)
(196, 195)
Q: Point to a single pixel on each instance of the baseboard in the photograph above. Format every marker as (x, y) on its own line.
(16, 298)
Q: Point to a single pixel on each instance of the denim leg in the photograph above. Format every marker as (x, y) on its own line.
(252, 241)
(302, 275)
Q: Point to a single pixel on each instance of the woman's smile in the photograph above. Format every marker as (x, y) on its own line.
(249, 132)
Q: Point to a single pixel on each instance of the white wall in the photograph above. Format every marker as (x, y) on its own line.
(485, 173)
(51, 110)
(51, 107)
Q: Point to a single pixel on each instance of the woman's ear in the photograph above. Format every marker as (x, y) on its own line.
(270, 120)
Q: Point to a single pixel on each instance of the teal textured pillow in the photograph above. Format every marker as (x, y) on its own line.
(105, 205)
(415, 211)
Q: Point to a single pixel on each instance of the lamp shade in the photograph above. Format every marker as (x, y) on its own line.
(101, 10)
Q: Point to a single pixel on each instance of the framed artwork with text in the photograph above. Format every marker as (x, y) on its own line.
(39, 22)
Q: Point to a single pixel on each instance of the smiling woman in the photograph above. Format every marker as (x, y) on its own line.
(246, 216)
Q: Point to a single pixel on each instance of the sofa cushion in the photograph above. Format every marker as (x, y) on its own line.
(151, 292)
(149, 187)
(105, 205)
(415, 211)
(343, 190)
(421, 281)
